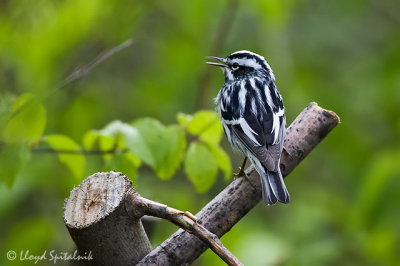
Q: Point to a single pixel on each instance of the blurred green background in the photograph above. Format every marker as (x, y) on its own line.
(343, 54)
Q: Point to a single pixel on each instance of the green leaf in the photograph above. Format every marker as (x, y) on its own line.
(13, 158)
(27, 122)
(106, 143)
(126, 136)
(207, 126)
(90, 139)
(115, 129)
(222, 159)
(136, 144)
(6, 108)
(176, 144)
(75, 162)
(126, 163)
(107, 138)
(149, 142)
(200, 166)
(183, 119)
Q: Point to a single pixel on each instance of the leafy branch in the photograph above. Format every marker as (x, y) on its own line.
(83, 151)
(116, 149)
(111, 195)
(193, 141)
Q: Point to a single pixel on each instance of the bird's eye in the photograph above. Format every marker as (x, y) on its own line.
(235, 66)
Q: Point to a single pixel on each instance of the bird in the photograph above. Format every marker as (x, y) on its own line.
(252, 115)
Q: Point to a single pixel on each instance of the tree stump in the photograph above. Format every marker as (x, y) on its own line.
(103, 213)
(100, 220)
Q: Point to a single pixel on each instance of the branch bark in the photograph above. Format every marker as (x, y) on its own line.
(103, 216)
(85, 70)
(98, 221)
(187, 221)
(238, 198)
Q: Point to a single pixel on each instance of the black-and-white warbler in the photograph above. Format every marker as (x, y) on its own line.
(253, 117)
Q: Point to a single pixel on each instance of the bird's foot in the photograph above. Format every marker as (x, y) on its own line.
(240, 174)
(243, 174)
(241, 170)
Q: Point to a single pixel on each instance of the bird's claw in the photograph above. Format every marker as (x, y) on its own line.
(241, 173)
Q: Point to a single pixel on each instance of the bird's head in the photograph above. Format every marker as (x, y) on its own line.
(243, 64)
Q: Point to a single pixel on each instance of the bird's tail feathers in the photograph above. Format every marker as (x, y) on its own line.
(273, 187)
(277, 186)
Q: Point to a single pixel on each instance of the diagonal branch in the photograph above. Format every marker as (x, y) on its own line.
(103, 215)
(106, 209)
(186, 221)
(238, 198)
(85, 70)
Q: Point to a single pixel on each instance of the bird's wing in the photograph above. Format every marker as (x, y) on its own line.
(275, 129)
(259, 142)
(260, 152)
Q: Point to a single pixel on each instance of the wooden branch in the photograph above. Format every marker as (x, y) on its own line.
(238, 198)
(81, 151)
(103, 217)
(186, 221)
(84, 71)
(103, 213)
(98, 221)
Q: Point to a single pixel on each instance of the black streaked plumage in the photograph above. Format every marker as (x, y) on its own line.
(253, 117)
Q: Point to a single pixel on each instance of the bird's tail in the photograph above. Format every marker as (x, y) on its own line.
(273, 187)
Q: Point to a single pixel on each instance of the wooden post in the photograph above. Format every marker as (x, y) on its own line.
(99, 221)
(103, 213)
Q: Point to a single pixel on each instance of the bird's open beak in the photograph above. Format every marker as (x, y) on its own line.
(221, 60)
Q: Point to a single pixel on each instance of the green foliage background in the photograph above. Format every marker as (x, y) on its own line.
(143, 105)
